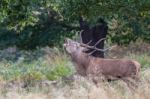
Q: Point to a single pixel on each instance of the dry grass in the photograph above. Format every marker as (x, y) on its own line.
(78, 87)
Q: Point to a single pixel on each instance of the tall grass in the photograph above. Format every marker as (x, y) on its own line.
(42, 74)
(80, 88)
(32, 66)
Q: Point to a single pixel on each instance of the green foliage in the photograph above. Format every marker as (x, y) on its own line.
(28, 66)
(132, 15)
(94, 8)
(44, 64)
(17, 14)
(58, 72)
(31, 77)
(32, 23)
(142, 59)
(7, 38)
(48, 22)
(61, 68)
(38, 36)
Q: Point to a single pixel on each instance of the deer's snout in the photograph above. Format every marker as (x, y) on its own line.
(64, 45)
(66, 40)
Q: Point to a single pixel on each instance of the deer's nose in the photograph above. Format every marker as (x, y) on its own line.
(64, 45)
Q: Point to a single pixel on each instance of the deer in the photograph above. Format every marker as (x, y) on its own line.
(111, 69)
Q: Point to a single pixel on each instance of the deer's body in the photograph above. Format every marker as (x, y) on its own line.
(89, 65)
(108, 67)
(117, 68)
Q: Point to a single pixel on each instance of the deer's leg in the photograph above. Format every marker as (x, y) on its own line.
(94, 78)
(110, 78)
(136, 78)
(130, 83)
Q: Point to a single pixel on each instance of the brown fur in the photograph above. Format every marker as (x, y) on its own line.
(109, 68)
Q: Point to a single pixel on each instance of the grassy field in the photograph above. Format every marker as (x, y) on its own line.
(42, 74)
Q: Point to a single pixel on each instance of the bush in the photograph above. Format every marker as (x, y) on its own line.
(58, 72)
(123, 32)
(32, 77)
(33, 37)
(30, 67)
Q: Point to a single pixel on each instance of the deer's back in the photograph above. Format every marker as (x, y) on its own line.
(113, 67)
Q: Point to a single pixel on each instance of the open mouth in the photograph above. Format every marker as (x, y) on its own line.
(66, 42)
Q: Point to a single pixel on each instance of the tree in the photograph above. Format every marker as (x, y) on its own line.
(92, 35)
(132, 17)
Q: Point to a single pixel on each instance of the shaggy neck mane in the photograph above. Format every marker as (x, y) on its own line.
(81, 59)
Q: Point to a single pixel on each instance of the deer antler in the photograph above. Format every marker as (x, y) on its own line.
(99, 41)
(81, 41)
(94, 46)
(97, 49)
(81, 36)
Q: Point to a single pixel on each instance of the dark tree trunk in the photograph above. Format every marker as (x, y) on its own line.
(95, 33)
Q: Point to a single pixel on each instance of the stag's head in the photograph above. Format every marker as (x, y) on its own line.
(72, 46)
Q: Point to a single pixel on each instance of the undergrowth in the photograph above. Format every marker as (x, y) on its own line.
(31, 66)
(36, 70)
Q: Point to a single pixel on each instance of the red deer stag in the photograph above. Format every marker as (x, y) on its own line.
(86, 64)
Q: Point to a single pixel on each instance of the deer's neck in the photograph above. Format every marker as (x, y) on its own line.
(81, 60)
